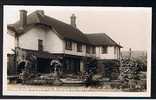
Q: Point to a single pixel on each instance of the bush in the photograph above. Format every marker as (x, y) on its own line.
(130, 74)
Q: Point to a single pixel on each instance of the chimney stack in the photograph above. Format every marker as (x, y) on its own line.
(73, 20)
(23, 18)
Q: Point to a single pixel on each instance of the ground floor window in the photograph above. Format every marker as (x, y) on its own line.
(71, 66)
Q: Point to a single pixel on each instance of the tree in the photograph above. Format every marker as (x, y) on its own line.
(129, 73)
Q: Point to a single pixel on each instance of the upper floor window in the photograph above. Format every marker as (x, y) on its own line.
(94, 49)
(40, 45)
(68, 45)
(104, 50)
(88, 49)
(79, 47)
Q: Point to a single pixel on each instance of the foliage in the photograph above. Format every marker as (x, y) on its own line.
(111, 68)
(142, 63)
(130, 73)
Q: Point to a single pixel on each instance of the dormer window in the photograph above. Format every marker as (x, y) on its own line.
(68, 45)
(79, 47)
(104, 49)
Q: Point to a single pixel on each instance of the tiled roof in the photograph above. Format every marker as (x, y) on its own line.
(65, 31)
(99, 39)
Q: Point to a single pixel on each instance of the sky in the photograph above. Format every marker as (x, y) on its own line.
(129, 26)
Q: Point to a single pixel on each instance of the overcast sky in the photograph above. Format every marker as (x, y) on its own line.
(131, 27)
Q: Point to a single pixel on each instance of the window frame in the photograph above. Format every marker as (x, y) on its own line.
(104, 49)
(40, 44)
(79, 47)
(68, 45)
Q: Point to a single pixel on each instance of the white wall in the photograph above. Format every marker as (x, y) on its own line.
(74, 50)
(29, 40)
(109, 55)
(117, 53)
(9, 41)
(51, 42)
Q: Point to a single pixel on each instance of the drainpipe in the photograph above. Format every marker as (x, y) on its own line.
(16, 52)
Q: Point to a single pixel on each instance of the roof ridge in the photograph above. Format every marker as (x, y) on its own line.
(95, 33)
(58, 20)
(62, 22)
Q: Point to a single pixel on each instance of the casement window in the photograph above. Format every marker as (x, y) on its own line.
(94, 49)
(68, 45)
(88, 49)
(79, 47)
(104, 49)
(40, 45)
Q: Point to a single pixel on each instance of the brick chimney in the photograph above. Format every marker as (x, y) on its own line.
(23, 18)
(73, 20)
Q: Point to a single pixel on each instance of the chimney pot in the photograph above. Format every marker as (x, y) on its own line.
(73, 20)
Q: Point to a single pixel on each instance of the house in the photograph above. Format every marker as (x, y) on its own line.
(48, 38)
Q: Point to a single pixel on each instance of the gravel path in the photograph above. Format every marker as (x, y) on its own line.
(20, 87)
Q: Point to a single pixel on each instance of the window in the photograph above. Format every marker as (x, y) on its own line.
(94, 50)
(104, 49)
(79, 47)
(88, 49)
(40, 45)
(68, 45)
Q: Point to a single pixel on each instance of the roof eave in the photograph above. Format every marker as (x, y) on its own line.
(10, 27)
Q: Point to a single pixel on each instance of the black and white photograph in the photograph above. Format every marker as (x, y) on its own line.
(77, 51)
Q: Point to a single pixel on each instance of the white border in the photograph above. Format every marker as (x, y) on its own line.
(67, 93)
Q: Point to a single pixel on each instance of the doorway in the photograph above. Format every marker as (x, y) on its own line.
(43, 65)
